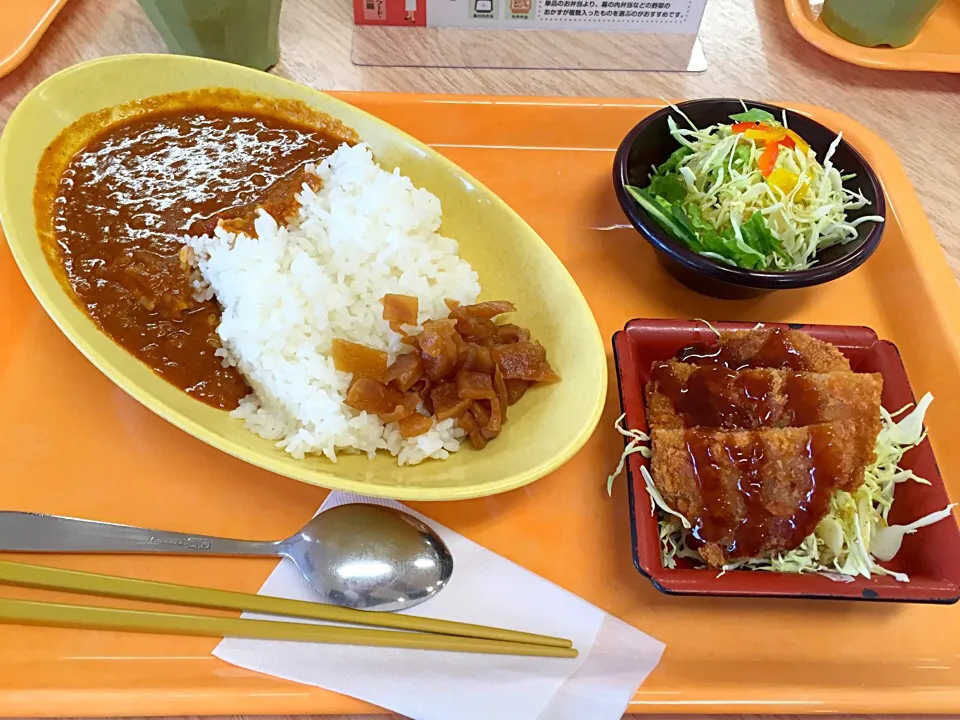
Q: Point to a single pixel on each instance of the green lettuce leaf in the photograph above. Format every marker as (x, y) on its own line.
(662, 211)
(754, 115)
(670, 187)
(741, 156)
(723, 244)
(673, 162)
(757, 235)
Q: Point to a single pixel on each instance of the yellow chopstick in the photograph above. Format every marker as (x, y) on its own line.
(29, 612)
(47, 578)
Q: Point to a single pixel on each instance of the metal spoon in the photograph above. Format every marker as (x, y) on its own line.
(358, 555)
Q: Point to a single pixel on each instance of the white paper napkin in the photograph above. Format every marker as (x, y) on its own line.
(486, 589)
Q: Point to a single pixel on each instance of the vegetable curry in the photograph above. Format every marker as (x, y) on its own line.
(114, 199)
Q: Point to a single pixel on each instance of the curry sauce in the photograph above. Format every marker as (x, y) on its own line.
(127, 197)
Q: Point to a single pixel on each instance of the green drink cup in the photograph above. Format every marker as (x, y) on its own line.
(245, 32)
(877, 22)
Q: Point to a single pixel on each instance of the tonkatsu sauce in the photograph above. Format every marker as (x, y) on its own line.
(743, 531)
(716, 396)
(776, 352)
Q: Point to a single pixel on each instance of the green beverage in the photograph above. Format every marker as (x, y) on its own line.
(245, 32)
(877, 22)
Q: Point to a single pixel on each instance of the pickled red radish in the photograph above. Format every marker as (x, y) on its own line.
(405, 371)
(359, 359)
(400, 309)
(447, 402)
(464, 367)
(414, 425)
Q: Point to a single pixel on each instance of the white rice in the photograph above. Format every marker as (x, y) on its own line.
(289, 292)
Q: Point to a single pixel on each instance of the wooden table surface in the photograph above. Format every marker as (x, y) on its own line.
(751, 49)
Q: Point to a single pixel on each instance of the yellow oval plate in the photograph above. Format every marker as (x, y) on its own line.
(545, 429)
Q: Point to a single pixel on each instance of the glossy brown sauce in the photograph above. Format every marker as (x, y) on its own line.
(129, 194)
(804, 401)
(716, 396)
(776, 352)
(743, 531)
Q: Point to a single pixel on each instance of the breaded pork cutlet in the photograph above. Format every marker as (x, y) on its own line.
(684, 395)
(769, 347)
(747, 492)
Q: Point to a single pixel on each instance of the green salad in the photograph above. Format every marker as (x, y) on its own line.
(752, 194)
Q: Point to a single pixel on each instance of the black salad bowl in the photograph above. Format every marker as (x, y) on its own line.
(649, 144)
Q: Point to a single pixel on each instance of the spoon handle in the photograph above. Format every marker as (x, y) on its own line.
(30, 532)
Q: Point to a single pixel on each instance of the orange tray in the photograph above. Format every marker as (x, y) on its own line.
(936, 48)
(72, 443)
(24, 22)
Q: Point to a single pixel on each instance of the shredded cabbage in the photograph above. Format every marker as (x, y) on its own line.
(636, 445)
(852, 538)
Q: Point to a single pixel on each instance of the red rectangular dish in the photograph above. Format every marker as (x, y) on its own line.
(930, 557)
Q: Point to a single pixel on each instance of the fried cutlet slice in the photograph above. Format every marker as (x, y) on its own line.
(769, 347)
(748, 492)
(685, 395)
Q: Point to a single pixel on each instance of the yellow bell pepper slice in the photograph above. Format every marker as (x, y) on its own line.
(785, 181)
(802, 145)
(768, 136)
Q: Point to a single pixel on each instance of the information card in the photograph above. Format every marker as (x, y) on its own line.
(650, 16)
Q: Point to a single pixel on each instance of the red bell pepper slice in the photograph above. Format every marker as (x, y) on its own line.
(768, 159)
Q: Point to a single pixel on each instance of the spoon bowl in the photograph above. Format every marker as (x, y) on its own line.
(360, 556)
(370, 557)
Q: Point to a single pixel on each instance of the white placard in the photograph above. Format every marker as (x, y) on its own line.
(652, 16)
